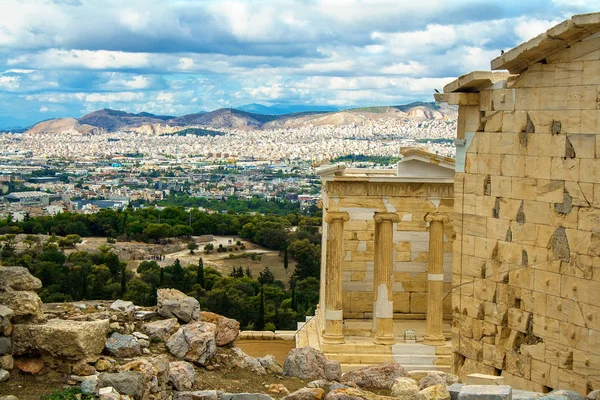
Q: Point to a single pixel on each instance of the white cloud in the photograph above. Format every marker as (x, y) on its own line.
(44, 109)
(9, 82)
(88, 59)
(531, 27)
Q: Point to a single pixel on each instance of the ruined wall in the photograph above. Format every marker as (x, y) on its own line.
(526, 271)
(412, 201)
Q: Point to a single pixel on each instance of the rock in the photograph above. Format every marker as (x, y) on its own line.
(455, 389)
(309, 363)
(103, 365)
(306, 394)
(6, 315)
(436, 392)
(435, 378)
(227, 329)
(72, 340)
(173, 303)
(83, 369)
(126, 382)
(7, 362)
(144, 315)
(4, 375)
(122, 305)
(319, 383)
(33, 366)
(245, 396)
(337, 385)
(108, 393)
(26, 306)
(522, 394)
(405, 388)
(244, 361)
(349, 393)
(155, 375)
(139, 335)
(380, 376)
(270, 364)
(194, 342)
(162, 329)
(593, 395)
(5, 345)
(277, 388)
(198, 395)
(182, 375)
(123, 346)
(18, 279)
(485, 392)
(562, 394)
(9, 397)
(89, 386)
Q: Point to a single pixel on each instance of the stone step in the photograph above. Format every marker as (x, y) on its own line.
(413, 349)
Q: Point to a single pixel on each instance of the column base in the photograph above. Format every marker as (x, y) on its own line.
(389, 340)
(434, 340)
(333, 339)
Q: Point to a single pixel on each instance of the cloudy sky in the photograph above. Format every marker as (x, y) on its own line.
(69, 57)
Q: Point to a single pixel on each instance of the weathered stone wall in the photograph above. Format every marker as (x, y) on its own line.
(411, 201)
(526, 271)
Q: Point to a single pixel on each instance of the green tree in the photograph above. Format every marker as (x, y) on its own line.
(260, 322)
(192, 246)
(200, 273)
(266, 277)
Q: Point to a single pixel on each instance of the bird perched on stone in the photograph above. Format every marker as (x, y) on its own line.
(501, 52)
(437, 91)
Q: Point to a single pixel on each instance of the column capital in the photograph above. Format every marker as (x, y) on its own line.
(333, 215)
(437, 218)
(386, 216)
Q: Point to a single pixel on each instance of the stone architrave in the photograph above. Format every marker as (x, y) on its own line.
(383, 308)
(333, 332)
(435, 277)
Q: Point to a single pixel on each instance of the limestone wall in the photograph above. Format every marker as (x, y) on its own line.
(412, 201)
(526, 267)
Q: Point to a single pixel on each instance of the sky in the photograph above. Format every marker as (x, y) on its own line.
(68, 57)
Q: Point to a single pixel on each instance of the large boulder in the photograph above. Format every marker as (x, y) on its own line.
(181, 375)
(72, 340)
(123, 346)
(161, 329)
(194, 342)
(227, 329)
(126, 382)
(380, 376)
(26, 306)
(18, 279)
(309, 363)
(174, 304)
(154, 371)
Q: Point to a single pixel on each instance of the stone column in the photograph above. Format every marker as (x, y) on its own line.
(333, 332)
(383, 276)
(435, 277)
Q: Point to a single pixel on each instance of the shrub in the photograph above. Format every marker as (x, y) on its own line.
(269, 326)
(73, 393)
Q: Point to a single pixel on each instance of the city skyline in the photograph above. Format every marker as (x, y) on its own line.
(69, 57)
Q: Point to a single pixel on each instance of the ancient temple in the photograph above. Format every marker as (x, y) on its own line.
(386, 264)
(526, 266)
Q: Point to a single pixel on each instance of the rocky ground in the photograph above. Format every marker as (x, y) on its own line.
(174, 351)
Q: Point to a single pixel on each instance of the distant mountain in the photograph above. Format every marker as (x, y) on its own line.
(283, 109)
(107, 120)
(11, 123)
(112, 120)
(224, 118)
